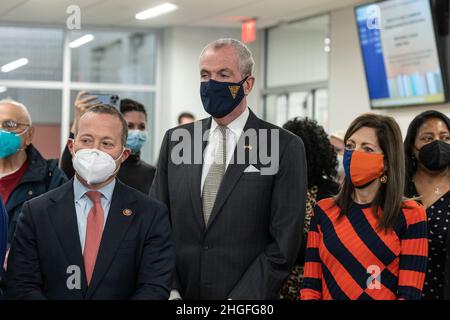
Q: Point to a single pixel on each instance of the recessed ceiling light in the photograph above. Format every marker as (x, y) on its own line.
(81, 41)
(156, 11)
(14, 65)
(3, 89)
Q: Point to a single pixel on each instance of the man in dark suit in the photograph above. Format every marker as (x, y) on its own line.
(236, 216)
(94, 237)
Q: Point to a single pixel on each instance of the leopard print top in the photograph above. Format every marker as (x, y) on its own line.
(291, 287)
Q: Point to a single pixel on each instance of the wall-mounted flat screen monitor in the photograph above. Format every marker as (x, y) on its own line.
(400, 53)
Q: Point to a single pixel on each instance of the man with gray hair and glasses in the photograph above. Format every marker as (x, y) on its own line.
(24, 173)
(235, 187)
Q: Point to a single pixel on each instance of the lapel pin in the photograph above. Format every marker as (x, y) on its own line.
(249, 147)
(127, 212)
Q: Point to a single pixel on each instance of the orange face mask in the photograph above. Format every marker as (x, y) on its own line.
(363, 168)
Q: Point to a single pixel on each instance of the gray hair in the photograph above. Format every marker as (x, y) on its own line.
(19, 105)
(246, 62)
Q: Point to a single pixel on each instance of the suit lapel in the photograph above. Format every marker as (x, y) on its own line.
(116, 227)
(234, 171)
(64, 219)
(196, 177)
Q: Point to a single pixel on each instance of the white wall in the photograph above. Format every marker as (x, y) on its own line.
(348, 96)
(180, 76)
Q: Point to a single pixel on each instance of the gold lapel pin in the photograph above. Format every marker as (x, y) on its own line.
(127, 212)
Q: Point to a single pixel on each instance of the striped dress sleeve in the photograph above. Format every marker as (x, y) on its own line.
(311, 288)
(414, 253)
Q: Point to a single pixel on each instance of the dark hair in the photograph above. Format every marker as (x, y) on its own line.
(128, 105)
(185, 115)
(108, 109)
(390, 195)
(410, 161)
(320, 155)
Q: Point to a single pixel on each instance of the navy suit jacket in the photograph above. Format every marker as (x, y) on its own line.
(254, 233)
(136, 258)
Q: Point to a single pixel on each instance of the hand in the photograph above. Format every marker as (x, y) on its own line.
(82, 104)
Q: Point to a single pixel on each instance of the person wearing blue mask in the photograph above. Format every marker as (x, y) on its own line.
(134, 171)
(24, 173)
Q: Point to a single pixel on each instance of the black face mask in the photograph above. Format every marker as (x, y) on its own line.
(435, 156)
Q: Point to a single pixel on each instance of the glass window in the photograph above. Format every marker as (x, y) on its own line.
(312, 104)
(115, 57)
(42, 47)
(43, 105)
(297, 52)
(121, 60)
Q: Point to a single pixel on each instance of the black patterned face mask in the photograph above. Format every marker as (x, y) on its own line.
(221, 98)
(435, 156)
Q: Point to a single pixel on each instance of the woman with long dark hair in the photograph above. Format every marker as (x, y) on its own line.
(427, 156)
(321, 163)
(368, 242)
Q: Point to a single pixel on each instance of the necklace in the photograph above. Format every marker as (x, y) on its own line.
(437, 189)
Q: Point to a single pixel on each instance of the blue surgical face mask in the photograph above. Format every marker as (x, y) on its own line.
(221, 98)
(10, 143)
(136, 140)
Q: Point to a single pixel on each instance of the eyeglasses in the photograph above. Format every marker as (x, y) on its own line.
(13, 126)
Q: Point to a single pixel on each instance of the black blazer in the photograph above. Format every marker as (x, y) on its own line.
(254, 232)
(135, 260)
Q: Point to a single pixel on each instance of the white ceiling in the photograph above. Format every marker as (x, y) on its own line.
(214, 13)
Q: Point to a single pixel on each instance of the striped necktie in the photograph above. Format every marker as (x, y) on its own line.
(215, 175)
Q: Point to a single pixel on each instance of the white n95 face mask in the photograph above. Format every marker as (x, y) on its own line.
(93, 165)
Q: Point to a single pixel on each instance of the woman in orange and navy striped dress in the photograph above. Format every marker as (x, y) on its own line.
(368, 242)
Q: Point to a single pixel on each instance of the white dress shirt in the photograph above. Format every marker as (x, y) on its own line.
(234, 132)
(83, 205)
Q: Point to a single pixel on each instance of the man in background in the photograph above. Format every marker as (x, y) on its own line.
(186, 117)
(24, 173)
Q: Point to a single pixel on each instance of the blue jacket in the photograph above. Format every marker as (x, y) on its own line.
(41, 176)
(3, 241)
(3, 233)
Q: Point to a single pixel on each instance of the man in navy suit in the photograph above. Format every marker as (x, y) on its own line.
(93, 237)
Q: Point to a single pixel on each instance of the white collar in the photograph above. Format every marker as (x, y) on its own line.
(236, 126)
